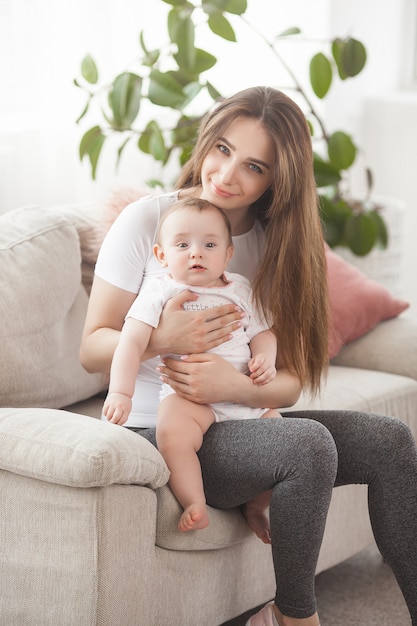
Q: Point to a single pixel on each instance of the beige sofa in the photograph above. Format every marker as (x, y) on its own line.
(88, 525)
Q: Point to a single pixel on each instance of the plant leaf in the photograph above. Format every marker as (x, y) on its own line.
(353, 57)
(183, 37)
(121, 150)
(216, 95)
(152, 141)
(321, 74)
(203, 62)
(89, 69)
(124, 99)
(341, 150)
(361, 233)
(334, 215)
(325, 173)
(382, 236)
(176, 3)
(185, 133)
(165, 90)
(337, 49)
(212, 6)
(293, 30)
(237, 7)
(220, 26)
(91, 145)
(83, 112)
(151, 56)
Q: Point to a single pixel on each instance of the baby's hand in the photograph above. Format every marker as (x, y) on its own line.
(117, 408)
(261, 370)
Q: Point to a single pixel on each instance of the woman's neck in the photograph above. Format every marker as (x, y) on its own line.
(241, 221)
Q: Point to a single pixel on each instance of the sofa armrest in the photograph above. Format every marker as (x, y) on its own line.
(389, 347)
(75, 450)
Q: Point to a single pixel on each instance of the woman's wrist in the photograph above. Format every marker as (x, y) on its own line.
(281, 392)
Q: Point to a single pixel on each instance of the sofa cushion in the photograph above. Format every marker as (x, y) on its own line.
(227, 527)
(42, 310)
(389, 347)
(357, 303)
(77, 451)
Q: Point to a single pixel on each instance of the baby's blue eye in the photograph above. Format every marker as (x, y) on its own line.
(210, 245)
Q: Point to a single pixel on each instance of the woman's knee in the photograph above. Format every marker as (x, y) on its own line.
(317, 450)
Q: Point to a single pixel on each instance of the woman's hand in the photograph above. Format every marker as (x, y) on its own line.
(202, 378)
(208, 378)
(195, 331)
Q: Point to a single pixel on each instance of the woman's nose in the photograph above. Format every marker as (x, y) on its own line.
(228, 173)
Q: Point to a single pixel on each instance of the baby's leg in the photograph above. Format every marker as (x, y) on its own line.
(255, 511)
(181, 425)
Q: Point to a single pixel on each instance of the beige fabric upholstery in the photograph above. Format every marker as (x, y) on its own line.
(42, 311)
(389, 347)
(76, 451)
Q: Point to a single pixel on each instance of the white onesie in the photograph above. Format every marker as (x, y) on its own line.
(152, 298)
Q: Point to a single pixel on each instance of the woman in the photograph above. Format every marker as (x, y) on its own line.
(253, 158)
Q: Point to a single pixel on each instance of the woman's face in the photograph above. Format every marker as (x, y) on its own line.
(239, 167)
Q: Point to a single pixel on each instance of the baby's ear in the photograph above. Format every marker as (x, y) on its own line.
(159, 253)
(230, 252)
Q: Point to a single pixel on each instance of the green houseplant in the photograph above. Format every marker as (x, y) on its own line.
(355, 224)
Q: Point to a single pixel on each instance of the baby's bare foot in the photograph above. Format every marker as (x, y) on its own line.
(195, 517)
(258, 521)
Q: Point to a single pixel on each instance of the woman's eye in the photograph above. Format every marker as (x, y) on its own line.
(255, 168)
(224, 149)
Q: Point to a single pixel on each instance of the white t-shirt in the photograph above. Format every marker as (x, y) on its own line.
(126, 260)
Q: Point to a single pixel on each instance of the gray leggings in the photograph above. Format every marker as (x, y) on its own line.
(301, 458)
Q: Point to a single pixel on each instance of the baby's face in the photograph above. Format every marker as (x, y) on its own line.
(195, 246)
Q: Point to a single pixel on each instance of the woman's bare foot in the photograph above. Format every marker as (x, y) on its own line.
(258, 520)
(194, 517)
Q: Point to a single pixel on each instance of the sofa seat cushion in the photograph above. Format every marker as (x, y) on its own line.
(365, 390)
(77, 451)
(227, 527)
(42, 310)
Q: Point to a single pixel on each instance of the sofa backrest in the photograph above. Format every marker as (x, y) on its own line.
(43, 304)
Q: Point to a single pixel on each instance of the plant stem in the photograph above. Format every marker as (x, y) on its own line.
(298, 87)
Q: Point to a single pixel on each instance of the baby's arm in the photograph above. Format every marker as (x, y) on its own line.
(264, 353)
(125, 365)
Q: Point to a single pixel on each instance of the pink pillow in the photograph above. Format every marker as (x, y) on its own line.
(357, 303)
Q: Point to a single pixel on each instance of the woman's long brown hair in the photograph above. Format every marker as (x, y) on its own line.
(291, 282)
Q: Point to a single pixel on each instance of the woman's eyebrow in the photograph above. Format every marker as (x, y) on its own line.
(252, 160)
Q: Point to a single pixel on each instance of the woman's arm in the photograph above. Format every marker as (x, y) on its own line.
(106, 312)
(179, 331)
(208, 378)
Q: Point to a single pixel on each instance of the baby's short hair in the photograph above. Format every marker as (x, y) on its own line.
(199, 205)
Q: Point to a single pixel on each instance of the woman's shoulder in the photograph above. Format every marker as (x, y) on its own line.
(149, 206)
